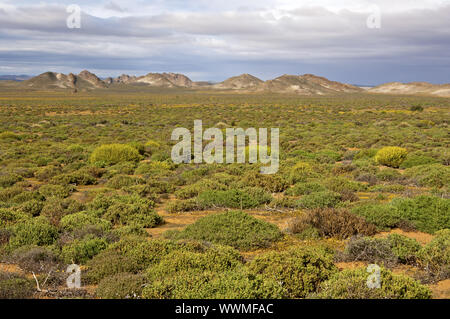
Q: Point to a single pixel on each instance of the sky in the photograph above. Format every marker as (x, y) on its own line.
(352, 41)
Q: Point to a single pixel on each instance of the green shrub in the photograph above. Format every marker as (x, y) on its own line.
(365, 154)
(341, 184)
(215, 259)
(47, 172)
(434, 175)
(55, 208)
(389, 175)
(234, 228)
(381, 215)
(404, 248)
(270, 183)
(158, 168)
(10, 216)
(201, 186)
(60, 191)
(35, 231)
(352, 284)
(80, 251)
(133, 254)
(299, 270)
(138, 146)
(120, 181)
(76, 178)
(328, 156)
(8, 180)
(114, 153)
(300, 172)
(234, 198)
(392, 156)
(236, 284)
(426, 213)
(8, 194)
(151, 146)
(305, 189)
(121, 286)
(79, 220)
(435, 256)
(319, 200)
(32, 207)
(178, 206)
(417, 159)
(126, 210)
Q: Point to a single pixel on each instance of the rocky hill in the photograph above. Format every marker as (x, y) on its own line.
(243, 81)
(306, 84)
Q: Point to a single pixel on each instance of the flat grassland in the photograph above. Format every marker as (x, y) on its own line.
(142, 227)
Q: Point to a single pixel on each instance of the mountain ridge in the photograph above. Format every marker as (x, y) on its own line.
(306, 84)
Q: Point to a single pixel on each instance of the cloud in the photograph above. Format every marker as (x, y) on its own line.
(212, 39)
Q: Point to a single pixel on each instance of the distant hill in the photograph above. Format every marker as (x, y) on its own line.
(52, 80)
(163, 80)
(413, 88)
(243, 81)
(306, 84)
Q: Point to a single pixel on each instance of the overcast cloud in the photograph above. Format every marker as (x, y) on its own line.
(212, 40)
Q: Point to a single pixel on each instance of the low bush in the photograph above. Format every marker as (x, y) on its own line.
(340, 184)
(235, 284)
(427, 213)
(178, 206)
(36, 231)
(55, 208)
(383, 216)
(270, 183)
(32, 207)
(234, 228)
(132, 254)
(201, 186)
(215, 258)
(392, 156)
(435, 256)
(121, 286)
(60, 191)
(404, 248)
(319, 200)
(299, 270)
(417, 159)
(352, 284)
(8, 180)
(300, 172)
(338, 223)
(434, 175)
(124, 213)
(120, 181)
(80, 251)
(114, 153)
(10, 216)
(47, 172)
(305, 189)
(80, 220)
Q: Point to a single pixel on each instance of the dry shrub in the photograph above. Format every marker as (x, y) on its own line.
(330, 222)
